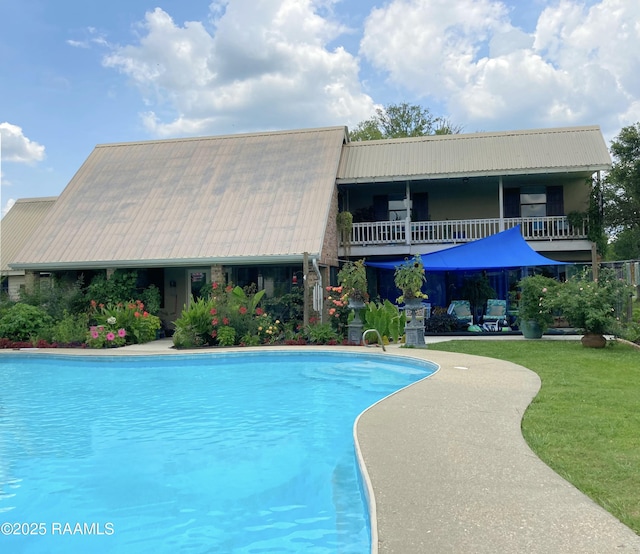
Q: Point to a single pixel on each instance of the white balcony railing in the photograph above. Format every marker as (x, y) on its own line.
(459, 231)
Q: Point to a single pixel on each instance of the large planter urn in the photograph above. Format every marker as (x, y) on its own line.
(356, 327)
(593, 340)
(530, 329)
(414, 326)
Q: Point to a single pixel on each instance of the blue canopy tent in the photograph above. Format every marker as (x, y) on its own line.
(504, 250)
(500, 252)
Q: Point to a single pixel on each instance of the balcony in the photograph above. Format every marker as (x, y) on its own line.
(389, 233)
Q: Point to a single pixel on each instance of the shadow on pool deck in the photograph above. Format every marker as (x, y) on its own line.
(451, 472)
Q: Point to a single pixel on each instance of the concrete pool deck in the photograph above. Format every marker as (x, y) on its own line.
(451, 472)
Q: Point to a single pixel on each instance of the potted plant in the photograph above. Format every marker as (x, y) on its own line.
(353, 279)
(534, 313)
(409, 278)
(590, 306)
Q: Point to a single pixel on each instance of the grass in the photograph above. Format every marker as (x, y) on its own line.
(585, 421)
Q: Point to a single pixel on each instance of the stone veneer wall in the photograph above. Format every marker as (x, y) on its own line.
(329, 254)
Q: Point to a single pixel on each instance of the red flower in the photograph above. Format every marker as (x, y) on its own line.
(228, 288)
(242, 310)
(214, 286)
(137, 314)
(214, 334)
(214, 321)
(93, 303)
(145, 314)
(213, 311)
(259, 311)
(225, 320)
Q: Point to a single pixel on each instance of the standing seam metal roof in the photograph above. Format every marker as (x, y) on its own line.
(20, 223)
(189, 201)
(479, 154)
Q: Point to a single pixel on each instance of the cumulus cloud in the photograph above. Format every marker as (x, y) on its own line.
(578, 66)
(18, 148)
(254, 65)
(9, 204)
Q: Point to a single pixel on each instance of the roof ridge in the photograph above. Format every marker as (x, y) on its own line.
(482, 134)
(225, 137)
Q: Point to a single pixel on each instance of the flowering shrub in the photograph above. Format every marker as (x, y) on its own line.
(106, 336)
(120, 324)
(226, 316)
(338, 309)
(533, 304)
(592, 306)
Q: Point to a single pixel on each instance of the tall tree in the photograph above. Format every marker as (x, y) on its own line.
(402, 120)
(622, 190)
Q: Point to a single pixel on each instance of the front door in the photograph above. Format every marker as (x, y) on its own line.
(199, 279)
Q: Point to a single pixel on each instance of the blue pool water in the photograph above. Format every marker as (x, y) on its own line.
(248, 453)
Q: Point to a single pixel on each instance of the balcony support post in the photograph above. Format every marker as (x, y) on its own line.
(501, 203)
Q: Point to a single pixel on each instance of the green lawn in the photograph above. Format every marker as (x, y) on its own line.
(585, 421)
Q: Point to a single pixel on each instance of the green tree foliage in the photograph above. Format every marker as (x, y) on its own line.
(622, 190)
(401, 121)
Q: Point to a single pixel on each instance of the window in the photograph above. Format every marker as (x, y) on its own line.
(397, 208)
(533, 202)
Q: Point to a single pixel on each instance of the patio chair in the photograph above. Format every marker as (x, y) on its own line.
(462, 310)
(496, 312)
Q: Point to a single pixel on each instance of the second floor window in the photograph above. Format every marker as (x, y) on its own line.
(538, 201)
(533, 202)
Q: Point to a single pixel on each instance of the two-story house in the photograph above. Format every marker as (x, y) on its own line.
(421, 195)
(262, 207)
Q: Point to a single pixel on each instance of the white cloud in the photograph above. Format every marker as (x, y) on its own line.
(579, 66)
(18, 148)
(8, 206)
(264, 65)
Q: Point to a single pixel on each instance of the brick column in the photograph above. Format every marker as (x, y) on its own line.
(31, 280)
(217, 274)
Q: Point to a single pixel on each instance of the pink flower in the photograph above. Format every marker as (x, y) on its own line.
(214, 321)
(145, 314)
(225, 320)
(213, 311)
(110, 336)
(332, 311)
(122, 333)
(242, 310)
(214, 286)
(137, 314)
(214, 334)
(259, 311)
(94, 333)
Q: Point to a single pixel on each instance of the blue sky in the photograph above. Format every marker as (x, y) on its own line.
(75, 73)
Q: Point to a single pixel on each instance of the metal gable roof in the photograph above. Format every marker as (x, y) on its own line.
(188, 201)
(19, 224)
(572, 149)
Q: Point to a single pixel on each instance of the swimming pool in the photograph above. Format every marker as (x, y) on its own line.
(249, 452)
